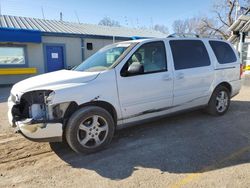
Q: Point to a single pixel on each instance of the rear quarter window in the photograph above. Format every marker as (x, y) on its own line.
(223, 52)
(189, 54)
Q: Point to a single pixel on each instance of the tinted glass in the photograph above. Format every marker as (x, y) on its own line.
(189, 54)
(152, 56)
(223, 52)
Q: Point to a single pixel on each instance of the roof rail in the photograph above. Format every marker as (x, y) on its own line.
(193, 35)
(183, 35)
(212, 37)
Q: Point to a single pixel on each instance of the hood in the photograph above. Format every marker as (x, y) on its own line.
(48, 80)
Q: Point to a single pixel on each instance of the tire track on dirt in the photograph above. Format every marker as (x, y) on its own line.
(17, 148)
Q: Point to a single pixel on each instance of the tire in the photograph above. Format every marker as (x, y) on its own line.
(217, 106)
(89, 129)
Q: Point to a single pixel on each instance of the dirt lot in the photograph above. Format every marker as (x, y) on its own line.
(188, 150)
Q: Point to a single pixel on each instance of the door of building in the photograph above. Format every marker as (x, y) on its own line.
(55, 58)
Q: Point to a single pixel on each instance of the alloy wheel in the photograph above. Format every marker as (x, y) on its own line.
(92, 131)
(222, 101)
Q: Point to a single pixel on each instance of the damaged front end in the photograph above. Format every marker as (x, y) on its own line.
(36, 117)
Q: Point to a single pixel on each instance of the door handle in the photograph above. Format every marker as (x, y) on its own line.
(167, 78)
(180, 76)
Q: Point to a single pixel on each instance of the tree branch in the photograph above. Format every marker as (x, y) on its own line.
(231, 8)
(220, 18)
(225, 36)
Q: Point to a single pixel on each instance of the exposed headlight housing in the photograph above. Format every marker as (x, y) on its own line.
(49, 98)
(12, 98)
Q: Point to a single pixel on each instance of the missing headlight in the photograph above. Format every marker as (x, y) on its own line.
(32, 105)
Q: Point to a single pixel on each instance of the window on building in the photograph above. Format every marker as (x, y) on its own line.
(189, 54)
(12, 55)
(89, 46)
(223, 52)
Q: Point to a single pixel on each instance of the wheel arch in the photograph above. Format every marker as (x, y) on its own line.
(211, 106)
(103, 104)
(225, 84)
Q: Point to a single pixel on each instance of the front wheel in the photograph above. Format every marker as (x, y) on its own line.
(219, 101)
(89, 129)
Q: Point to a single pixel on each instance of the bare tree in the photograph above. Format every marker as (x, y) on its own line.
(224, 17)
(191, 25)
(107, 21)
(179, 26)
(161, 28)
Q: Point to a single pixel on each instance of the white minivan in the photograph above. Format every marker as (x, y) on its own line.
(124, 83)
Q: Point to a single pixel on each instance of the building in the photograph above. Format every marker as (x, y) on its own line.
(30, 46)
(241, 39)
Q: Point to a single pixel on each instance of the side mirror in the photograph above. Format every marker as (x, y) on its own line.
(135, 68)
(70, 67)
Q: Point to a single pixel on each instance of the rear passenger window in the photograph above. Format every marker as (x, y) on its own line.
(189, 54)
(223, 52)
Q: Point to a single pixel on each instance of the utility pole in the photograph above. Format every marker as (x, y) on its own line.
(151, 22)
(0, 8)
(61, 16)
(237, 9)
(42, 12)
(77, 16)
(126, 20)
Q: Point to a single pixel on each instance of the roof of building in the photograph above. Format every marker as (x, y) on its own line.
(64, 27)
(242, 24)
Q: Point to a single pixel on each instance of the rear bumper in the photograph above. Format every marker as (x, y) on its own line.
(236, 86)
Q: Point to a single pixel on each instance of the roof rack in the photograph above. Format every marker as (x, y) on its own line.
(183, 35)
(193, 35)
(212, 37)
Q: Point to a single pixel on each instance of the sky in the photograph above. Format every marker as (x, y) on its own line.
(130, 13)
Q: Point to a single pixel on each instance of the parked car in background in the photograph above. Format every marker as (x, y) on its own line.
(124, 83)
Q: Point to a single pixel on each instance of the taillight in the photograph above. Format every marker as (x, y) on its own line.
(241, 70)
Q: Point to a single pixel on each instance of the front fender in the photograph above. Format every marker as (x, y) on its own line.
(103, 88)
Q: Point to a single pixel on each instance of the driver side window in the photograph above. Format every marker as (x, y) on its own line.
(152, 57)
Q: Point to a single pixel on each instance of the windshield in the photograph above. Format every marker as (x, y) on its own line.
(104, 58)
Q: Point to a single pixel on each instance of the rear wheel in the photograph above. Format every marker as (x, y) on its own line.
(89, 129)
(219, 101)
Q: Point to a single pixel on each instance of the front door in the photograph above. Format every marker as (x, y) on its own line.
(144, 95)
(55, 58)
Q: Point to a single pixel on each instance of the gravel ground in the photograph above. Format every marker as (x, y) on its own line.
(187, 150)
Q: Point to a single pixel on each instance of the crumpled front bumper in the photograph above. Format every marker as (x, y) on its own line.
(41, 132)
(35, 130)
